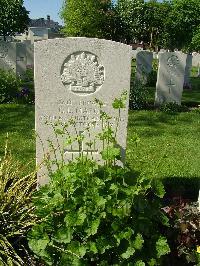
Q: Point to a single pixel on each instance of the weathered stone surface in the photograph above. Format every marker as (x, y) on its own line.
(13, 57)
(143, 65)
(69, 74)
(8, 56)
(170, 80)
(21, 59)
(29, 53)
(196, 59)
(188, 67)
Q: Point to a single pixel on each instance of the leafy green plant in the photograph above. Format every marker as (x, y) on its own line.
(10, 85)
(173, 107)
(16, 213)
(138, 95)
(94, 214)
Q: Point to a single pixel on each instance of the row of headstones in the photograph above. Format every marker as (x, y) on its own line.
(173, 72)
(195, 55)
(16, 56)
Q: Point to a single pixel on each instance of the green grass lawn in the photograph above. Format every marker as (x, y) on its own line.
(169, 144)
(18, 122)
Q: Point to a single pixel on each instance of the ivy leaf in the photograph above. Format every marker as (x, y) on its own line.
(129, 252)
(162, 247)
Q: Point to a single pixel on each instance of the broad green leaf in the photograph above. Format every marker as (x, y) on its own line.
(139, 263)
(158, 187)
(129, 252)
(138, 242)
(162, 247)
(92, 230)
(64, 235)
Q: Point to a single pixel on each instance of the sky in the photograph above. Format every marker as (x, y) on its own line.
(42, 8)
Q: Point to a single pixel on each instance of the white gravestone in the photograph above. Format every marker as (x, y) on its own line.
(169, 86)
(29, 53)
(70, 74)
(144, 61)
(7, 56)
(188, 70)
(195, 59)
(13, 57)
(21, 59)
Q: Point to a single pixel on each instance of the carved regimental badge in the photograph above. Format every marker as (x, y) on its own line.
(173, 64)
(82, 73)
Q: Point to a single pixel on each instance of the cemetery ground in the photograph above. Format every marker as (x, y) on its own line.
(167, 147)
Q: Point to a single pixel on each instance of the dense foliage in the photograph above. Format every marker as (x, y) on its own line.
(17, 89)
(167, 24)
(98, 215)
(184, 231)
(16, 212)
(87, 18)
(13, 17)
(9, 86)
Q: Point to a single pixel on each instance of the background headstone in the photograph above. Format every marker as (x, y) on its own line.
(170, 80)
(195, 59)
(13, 57)
(144, 61)
(69, 74)
(188, 67)
(8, 56)
(21, 59)
(29, 53)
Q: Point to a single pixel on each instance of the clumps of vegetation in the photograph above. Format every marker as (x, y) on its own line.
(184, 232)
(10, 85)
(16, 212)
(98, 214)
(173, 107)
(16, 89)
(139, 94)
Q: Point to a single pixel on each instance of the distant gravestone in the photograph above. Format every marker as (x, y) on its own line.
(7, 56)
(170, 81)
(195, 59)
(188, 67)
(69, 74)
(13, 57)
(144, 61)
(29, 53)
(155, 55)
(21, 59)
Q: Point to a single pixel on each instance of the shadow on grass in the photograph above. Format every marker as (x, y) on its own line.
(185, 187)
(16, 118)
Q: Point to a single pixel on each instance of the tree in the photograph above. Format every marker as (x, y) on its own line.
(195, 43)
(130, 19)
(154, 18)
(182, 23)
(13, 17)
(88, 18)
